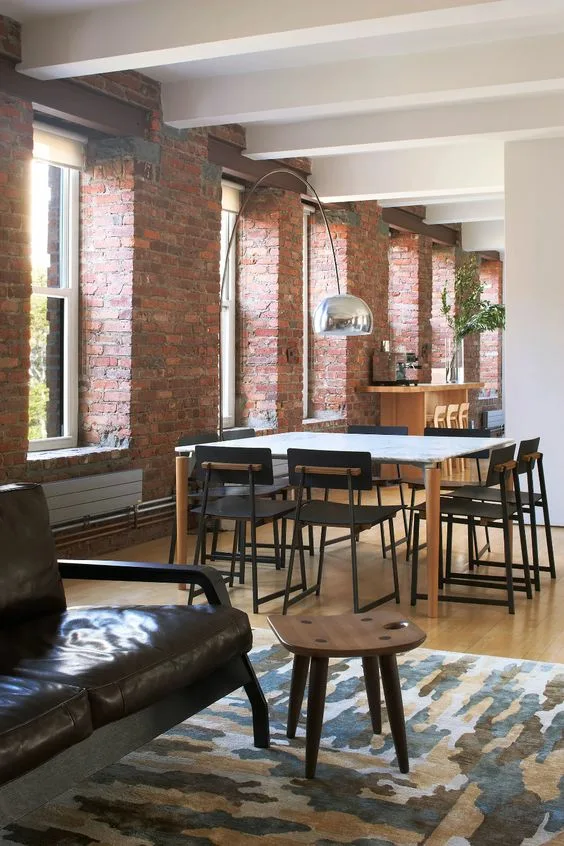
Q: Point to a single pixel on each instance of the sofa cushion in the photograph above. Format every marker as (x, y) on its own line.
(29, 577)
(38, 719)
(126, 658)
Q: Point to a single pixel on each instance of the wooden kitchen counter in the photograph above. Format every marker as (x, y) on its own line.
(414, 405)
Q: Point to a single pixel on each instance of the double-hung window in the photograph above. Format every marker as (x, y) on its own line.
(230, 204)
(53, 375)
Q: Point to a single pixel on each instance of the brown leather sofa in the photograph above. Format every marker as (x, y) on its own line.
(81, 687)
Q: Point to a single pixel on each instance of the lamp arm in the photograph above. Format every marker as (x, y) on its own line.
(230, 243)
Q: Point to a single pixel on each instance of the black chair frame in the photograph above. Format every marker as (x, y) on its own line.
(346, 471)
(496, 515)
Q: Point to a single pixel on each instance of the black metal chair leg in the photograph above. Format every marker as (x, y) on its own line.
(254, 566)
(410, 525)
(321, 559)
(415, 559)
(394, 561)
(172, 548)
(354, 567)
(382, 532)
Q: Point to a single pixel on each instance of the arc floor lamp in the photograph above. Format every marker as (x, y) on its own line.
(336, 316)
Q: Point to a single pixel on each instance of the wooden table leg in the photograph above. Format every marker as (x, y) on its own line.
(372, 682)
(182, 463)
(394, 706)
(297, 687)
(433, 517)
(315, 708)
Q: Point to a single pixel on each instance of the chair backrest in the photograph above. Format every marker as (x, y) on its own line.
(30, 585)
(377, 430)
(498, 456)
(233, 464)
(526, 448)
(463, 415)
(452, 413)
(439, 432)
(238, 434)
(439, 415)
(322, 463)
(197, 438)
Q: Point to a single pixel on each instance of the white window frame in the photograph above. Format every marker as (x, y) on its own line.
(230, 205)
(67, 291)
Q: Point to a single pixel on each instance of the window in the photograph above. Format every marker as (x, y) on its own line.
(230, 203)
(53, 386)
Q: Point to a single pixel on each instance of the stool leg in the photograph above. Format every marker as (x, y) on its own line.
(297, 687)
(394, 705)
(315, 708)
(372, 683)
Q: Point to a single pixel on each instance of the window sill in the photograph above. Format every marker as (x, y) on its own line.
(75, 452)
(315, 421)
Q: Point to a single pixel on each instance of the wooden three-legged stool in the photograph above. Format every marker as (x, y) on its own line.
(376, 637)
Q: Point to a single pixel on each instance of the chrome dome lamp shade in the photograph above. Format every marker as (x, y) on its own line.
(337, 316)
(342, 315)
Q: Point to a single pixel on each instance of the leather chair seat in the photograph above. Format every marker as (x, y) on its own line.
(125, 658)
(38, 719)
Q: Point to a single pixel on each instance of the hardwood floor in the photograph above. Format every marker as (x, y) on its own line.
(535, 631)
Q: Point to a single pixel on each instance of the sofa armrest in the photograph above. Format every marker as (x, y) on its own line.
(141, 571)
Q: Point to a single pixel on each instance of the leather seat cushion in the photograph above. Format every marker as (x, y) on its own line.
(126, 658)
(38, 719)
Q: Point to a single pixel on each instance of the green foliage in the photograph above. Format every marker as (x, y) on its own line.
(468, 312)
(38, 391)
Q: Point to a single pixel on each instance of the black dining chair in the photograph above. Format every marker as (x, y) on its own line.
(250, 469)
(528, 458)
(448, 484)
(379, 481)
(350, 472)
(469, 513)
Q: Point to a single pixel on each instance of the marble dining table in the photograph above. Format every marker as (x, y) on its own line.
(428, 453)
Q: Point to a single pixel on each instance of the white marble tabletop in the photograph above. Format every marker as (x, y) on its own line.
(389, 449)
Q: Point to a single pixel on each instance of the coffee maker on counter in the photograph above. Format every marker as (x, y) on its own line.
(393, 368)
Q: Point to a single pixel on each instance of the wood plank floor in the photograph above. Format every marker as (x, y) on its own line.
(535, 631)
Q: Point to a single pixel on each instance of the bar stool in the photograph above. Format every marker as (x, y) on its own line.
(439, 417)
(463, 410)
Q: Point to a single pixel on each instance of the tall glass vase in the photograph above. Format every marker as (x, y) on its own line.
(454, 361)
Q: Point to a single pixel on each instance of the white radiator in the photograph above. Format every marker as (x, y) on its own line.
(90, 496)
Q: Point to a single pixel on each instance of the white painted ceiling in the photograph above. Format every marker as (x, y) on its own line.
(404, 101)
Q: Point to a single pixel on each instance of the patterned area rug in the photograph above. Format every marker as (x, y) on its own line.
(486, 741)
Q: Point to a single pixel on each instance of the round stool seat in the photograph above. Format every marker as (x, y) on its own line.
(374, 636)
(378, 632)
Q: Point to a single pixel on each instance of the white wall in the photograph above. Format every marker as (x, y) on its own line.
(534, 295)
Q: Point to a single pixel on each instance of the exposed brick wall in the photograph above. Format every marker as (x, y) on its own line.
(367, 277)
(15, 282)
(269, 390)
(327, 365)
(10, 39)
(411, 293)
(443, 264)
(491, 343)
(106, 290)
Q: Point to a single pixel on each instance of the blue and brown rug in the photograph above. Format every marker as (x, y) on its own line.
(486, 741)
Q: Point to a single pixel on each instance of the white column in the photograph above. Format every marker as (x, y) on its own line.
(534, 296)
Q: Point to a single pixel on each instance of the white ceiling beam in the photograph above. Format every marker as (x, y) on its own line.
(449, 171)
(487, 235)
(151, 32)
(438, 199)
(505, 118)
(477, 71)
(465, 212)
